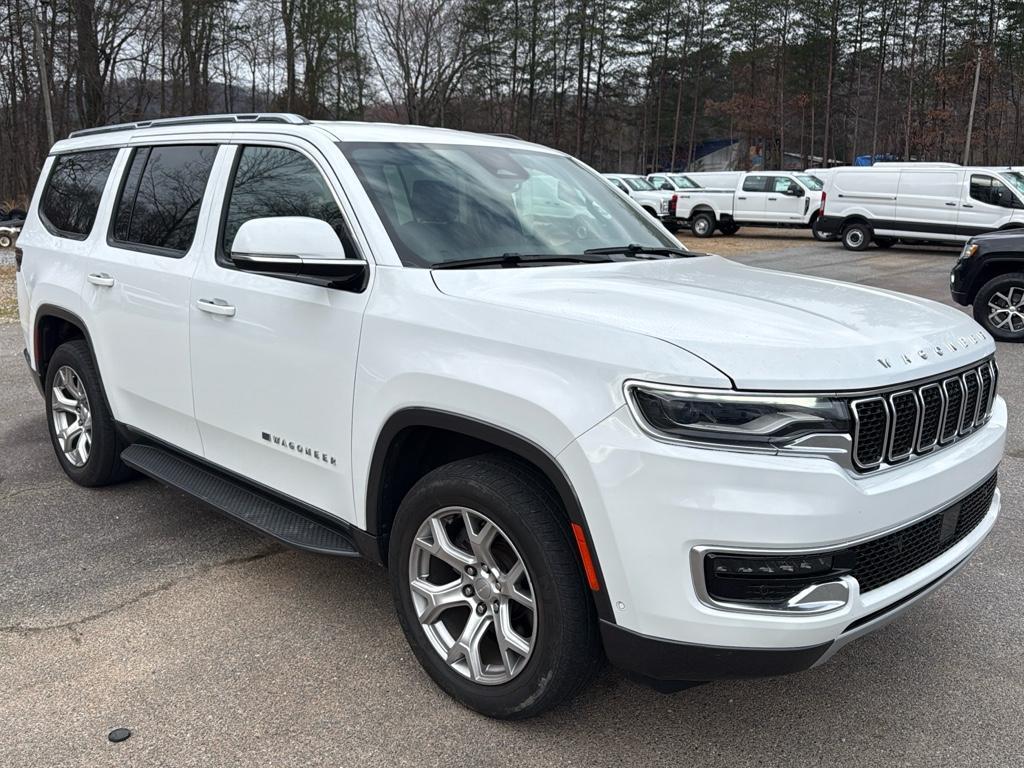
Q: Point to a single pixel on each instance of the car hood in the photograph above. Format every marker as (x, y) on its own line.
(764, 329)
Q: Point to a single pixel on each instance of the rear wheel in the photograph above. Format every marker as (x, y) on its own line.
(703, 224)
(81, 428)
(729, 227)
(856, 236)
(487, 588)
(999, 307)
(5, 241)
(818, 234)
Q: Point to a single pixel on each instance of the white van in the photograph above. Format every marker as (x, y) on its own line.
(914, 203)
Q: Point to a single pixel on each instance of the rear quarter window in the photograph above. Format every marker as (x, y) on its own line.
(73, 192)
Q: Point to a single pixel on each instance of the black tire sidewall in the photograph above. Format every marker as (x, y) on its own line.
(695, 227)
(103, 465)
(521, 696)
(981, 300)
(866, 237)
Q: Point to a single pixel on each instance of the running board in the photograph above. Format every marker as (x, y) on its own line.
(256, 508)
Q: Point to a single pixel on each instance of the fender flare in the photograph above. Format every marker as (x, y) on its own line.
(515, 444)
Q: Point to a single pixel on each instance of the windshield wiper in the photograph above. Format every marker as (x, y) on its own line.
(640, 250)
(515, 259)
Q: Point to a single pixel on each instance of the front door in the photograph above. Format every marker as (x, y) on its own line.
(273, 363)
(784, 201)
(987, 204)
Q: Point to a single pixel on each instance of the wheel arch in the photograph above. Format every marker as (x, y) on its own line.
(414, 441)
(995, 266)
(52, 327)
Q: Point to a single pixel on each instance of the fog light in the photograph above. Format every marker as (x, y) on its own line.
(770, 566)
(770, 580)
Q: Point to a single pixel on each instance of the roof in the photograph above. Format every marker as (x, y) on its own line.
(121, 135)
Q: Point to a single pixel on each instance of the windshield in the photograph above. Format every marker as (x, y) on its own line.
(684, 182)
(638, 184)
(1016, 180)
(442, 203)
(813, 183)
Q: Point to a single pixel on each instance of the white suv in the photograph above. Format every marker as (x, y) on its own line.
(565, 437)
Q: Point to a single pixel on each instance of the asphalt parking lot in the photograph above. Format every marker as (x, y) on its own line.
(136, 606)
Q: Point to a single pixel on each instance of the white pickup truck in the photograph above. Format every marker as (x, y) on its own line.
(661, 204)
(762, 199)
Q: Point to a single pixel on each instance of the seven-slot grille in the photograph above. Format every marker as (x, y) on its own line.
(892, 426)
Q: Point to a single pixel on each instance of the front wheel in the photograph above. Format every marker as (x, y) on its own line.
(729, 228)
(703, 225)
(999, 307)
(856, 236)
(488, 590)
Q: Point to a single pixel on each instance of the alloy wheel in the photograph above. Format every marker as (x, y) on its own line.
(72, 417)
(472, 595)
(1006, 310)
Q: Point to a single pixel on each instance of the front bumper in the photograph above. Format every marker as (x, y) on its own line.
(650, 505)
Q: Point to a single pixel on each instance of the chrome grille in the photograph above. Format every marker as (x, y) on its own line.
(894, 426)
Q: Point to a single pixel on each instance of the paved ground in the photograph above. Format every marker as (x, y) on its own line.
(137, 606)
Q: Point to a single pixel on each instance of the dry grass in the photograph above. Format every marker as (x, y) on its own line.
(748, 240)
(8, 295)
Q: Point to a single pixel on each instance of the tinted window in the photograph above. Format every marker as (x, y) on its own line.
(73, 191)
(685, 182)
(782, 184)
(640, 185)
(162, 195)
(272, 181)
(986, 189)
(755, 184)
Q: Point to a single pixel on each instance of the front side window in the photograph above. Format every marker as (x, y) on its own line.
(1016, 179)
(755, 184)
(783, 184)
(73, 191)
(276, 181)
(986, 189)
(444, 203)
(161, 198)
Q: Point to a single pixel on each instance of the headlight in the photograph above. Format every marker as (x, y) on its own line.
(731, 418)
(969, 250)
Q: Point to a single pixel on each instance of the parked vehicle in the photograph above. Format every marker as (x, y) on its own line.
(672, 182)
(11, 221)
(763, 199)
(658, 203)
(989, 275)
(930, 202)
(364, 339)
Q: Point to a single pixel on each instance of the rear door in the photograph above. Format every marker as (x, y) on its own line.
(784, 201)
(137, 287)
(987, 204)
(752, 198)
(927, 203)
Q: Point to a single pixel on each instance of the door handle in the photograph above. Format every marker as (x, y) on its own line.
(773, 198)
(968, 205)
(216, 307)
(101, 279)
(950, 203)
(741, 198)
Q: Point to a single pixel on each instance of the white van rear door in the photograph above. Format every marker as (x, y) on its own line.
(864, 192)
(927, 203)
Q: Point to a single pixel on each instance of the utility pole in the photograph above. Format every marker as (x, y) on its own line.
(44, 78)
(970, 118)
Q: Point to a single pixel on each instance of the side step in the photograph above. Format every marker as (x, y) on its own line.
(258, 509)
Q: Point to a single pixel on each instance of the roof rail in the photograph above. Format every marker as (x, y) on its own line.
(250, 117)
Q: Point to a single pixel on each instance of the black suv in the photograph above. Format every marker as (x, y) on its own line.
(990, 275)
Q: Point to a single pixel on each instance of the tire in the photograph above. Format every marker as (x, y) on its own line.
(702, 224)
(5, 241)
(999, 307)
(564, 651)
(856, 236)
(729, 228)
(91, 456)
(885, 242)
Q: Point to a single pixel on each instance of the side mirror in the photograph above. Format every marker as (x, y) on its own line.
(796, 190)
(298, 248)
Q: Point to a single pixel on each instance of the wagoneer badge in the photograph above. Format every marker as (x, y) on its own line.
(299, 448)
(953, 345)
